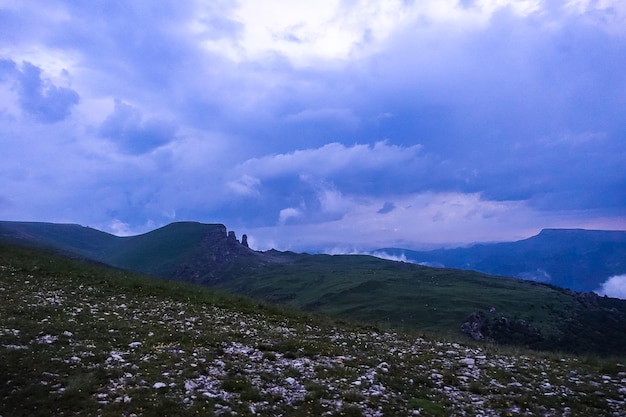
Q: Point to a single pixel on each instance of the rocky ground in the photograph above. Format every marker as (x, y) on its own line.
(76, 346)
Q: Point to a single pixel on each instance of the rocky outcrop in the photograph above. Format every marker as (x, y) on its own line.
(587, 299)
(219, 255)
(492, 327)
(474, 325)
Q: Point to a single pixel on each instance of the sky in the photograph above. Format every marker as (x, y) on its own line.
(328, 125)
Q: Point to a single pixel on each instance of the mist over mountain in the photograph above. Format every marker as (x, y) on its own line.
(581, 260)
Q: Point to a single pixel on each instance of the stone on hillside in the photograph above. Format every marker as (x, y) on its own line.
(473, 326)
(467, 362)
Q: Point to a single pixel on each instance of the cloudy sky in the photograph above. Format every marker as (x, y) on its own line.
(333, 125)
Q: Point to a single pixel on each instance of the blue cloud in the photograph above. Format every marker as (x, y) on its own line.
(220, 27)
(40, 98)
(126, 127)
(388, 207)
(8, 69)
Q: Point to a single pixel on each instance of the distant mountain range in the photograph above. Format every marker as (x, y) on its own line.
(368, 289)
(577, 259)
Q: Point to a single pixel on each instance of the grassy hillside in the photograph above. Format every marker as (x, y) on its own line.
(78, 339)
(424, 299)
(158, 252)
(66, 238)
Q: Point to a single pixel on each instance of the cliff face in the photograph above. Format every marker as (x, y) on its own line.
(219, 254)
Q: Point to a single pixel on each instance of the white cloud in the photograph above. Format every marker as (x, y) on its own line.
(245, 185)
(331, 158)
(335, 30)
(614, 287)
(332, 201)
(427, 218)
(288, 213)
(385, 255)
(303, 32)
(330, 30)
(119, 228)
(609, 15)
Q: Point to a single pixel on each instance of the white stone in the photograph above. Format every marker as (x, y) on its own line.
(467, 361)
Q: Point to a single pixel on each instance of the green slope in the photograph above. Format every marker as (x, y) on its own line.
(424, 299)
(158, 252)
(67, 238)
(161, 251)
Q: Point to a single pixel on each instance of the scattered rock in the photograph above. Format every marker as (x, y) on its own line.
(467, 362)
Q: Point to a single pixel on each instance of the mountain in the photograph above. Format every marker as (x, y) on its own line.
(84, 339)
(160, 252)
(416, 298)
(577, 259)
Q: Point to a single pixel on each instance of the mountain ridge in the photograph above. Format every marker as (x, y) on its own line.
(578, 259)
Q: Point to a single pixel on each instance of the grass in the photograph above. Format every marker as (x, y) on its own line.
(437, 301)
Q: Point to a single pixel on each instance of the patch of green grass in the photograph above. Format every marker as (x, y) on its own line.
(349, 411)
(352, 396)
(427, 407)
